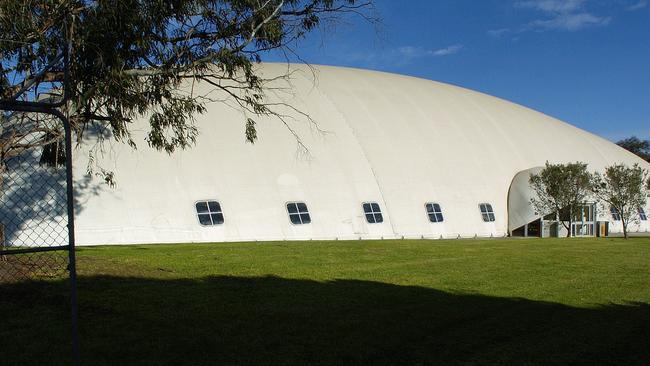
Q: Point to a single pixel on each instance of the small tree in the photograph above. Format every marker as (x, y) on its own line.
(623, 188)
(561, 188)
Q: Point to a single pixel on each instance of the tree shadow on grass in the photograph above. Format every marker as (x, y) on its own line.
(271, 321)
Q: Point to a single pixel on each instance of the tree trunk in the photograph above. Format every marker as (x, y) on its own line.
(568, 228)
(624, 227)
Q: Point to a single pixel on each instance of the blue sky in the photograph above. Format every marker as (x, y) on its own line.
(586, 62)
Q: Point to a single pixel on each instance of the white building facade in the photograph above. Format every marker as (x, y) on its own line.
(390, 157)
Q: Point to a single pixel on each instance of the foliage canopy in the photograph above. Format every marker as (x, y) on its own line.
(130, 58)
(636, 146)
(623, 188)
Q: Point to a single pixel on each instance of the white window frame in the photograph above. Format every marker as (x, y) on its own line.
(434, 212)
(209, 213)
(298, 213)
(488, 213)
(372, 212)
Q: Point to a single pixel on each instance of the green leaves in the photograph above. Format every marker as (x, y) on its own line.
(636, 146)
(560, 186)
(623, 188)
(171, 124)
(134, 59)
(130, 57)
(251, 131)
(564, 187)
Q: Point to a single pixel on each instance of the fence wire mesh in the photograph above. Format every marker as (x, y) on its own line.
(33, 201)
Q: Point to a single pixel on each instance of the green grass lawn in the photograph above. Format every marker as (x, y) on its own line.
(516, 302)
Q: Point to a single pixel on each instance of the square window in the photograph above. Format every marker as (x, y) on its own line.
(434, 212)
(642, 214)
(487, 213)
(209, 213)
(298, 213)
(373, 213)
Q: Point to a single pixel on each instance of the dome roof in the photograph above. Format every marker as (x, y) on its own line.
(397, 141)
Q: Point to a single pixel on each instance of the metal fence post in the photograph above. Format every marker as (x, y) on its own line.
(8, 251)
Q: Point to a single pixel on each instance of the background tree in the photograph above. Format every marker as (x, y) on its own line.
(636, 146)
(623, 188)
(561, 188)
(134, 58)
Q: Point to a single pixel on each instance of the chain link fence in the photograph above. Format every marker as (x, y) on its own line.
(34, 233)
(36, 193)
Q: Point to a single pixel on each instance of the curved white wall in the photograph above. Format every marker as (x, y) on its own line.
(395, 140)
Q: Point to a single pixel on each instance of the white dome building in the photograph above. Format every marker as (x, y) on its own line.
(399, 157)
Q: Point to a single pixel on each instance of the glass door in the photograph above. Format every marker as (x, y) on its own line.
(584, 221)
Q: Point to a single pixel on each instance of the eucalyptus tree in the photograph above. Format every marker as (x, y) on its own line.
(130, 59)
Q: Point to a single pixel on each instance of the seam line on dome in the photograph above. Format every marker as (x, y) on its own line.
(353, 133)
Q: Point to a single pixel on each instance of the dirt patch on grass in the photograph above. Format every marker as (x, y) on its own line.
(32, 266)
